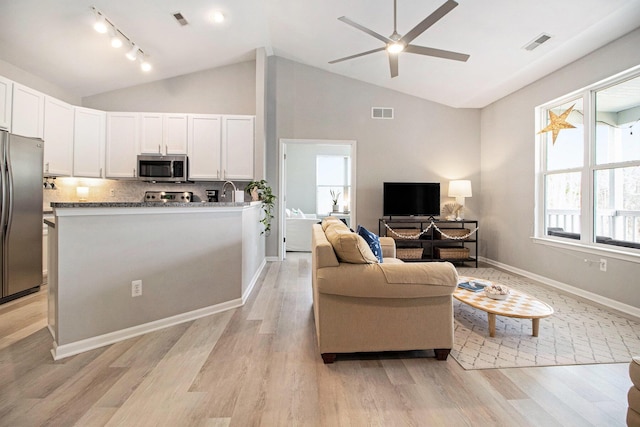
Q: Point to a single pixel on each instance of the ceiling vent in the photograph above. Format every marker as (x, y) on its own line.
(537, 42)
(181, 19)
(381, 113)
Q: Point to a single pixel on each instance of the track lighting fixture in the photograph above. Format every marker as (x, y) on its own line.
(104, 25)
(133, 53)
(100, 25)
(116, 41)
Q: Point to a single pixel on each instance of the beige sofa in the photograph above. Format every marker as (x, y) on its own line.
(364, 306)
(633, 412)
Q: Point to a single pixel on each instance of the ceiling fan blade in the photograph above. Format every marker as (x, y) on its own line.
(438, 53)
(357, 55)
(429, 21)
(393, 64)
(365, 29)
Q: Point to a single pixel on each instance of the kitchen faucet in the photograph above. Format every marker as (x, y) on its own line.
(233, 194)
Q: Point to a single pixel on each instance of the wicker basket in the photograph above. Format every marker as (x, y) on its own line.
(453, 232)
(409, 253)
(403, 232)
(452, 253)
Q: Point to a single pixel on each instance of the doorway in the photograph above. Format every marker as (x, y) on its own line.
(311, 177)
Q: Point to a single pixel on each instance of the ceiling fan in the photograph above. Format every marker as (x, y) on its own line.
(394, 44)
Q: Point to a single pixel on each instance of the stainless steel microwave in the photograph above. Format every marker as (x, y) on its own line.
(158, 168)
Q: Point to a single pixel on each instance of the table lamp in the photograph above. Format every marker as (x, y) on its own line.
(460, 189)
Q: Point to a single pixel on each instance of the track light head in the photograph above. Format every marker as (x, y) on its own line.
(145, 65)
(100, 24)
(116, 40)
(133, 53)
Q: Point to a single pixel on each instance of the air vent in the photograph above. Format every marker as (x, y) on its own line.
(537, 42)
(181, 19)
(381, 113)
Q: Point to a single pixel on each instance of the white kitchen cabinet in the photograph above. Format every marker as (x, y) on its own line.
(151, 133)
(6, 95)
(58, 137)
(205, 136)
(175, 133)
(163, 133)
(89, 142)
(237, 147)
(27, 112)
(122, 145)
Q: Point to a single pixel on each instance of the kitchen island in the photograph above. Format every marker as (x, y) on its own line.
(187, 260)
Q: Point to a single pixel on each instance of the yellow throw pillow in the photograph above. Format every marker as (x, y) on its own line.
(349, 247)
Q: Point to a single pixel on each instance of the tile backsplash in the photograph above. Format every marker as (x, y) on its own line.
(108, 190)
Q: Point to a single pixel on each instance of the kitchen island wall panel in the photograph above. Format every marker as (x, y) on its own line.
(192, 261)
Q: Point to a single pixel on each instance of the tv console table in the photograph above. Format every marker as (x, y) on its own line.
(431, 245)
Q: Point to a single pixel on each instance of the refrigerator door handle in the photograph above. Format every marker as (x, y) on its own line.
(7, 191)
(3, 182)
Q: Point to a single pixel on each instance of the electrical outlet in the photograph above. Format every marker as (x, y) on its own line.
(136, 288)
(603, 264)
(112, 192)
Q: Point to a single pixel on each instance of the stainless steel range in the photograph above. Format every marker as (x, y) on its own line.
(168, 196)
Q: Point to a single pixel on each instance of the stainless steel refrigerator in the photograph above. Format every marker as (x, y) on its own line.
(21, 215)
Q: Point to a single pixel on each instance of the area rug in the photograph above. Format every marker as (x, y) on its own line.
(577, 333)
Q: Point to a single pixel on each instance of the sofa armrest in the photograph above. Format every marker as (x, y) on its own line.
(388, 246)
(369, 280)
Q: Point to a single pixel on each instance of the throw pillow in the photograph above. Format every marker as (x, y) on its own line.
(372, 240)
(349, 247)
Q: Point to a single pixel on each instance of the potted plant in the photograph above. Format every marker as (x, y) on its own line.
(260, 190)
(334, 198)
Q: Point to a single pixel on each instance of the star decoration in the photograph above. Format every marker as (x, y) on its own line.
(558, 123)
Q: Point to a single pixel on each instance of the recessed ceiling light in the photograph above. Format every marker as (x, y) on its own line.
(217, 17)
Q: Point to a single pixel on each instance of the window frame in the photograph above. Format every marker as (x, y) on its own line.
(587, 242)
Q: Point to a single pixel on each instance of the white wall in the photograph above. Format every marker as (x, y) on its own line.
(301, 173)
(425, 142)
(507, 177)
(224, 90)
(34, 82)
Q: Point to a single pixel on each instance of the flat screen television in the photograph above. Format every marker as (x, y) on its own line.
(411, 199)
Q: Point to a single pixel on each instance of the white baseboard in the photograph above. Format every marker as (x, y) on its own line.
(66, 350)
(254, 280)
(71, 349)
(607, 302)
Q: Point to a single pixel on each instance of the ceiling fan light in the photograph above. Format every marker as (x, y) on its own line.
(132, 54)
(395, 47)
(217, 17)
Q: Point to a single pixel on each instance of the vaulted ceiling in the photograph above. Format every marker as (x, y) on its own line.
(55, 40)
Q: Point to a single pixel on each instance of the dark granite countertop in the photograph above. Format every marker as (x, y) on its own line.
(148, 204)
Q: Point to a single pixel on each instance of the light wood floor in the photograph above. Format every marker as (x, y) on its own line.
(258, 365)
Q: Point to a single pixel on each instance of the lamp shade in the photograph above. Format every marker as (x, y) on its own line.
(460, 188)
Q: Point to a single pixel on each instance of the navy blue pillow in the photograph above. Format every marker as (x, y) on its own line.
(372, 240)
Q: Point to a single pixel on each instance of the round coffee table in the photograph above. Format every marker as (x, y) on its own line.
(518, 304)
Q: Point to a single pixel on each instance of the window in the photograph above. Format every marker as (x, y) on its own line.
(588, 182)
(333, 174)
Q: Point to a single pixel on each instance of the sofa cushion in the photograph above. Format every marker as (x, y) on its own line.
(331, 221)
(349, 247)
(372, 240)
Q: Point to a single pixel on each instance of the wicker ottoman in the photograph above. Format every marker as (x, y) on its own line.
(633, 413)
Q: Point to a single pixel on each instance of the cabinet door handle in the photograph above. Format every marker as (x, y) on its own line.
(218, 173)
(46, 167)
(100, 173)
(134, 172)
(166, 149)
(159, 149)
